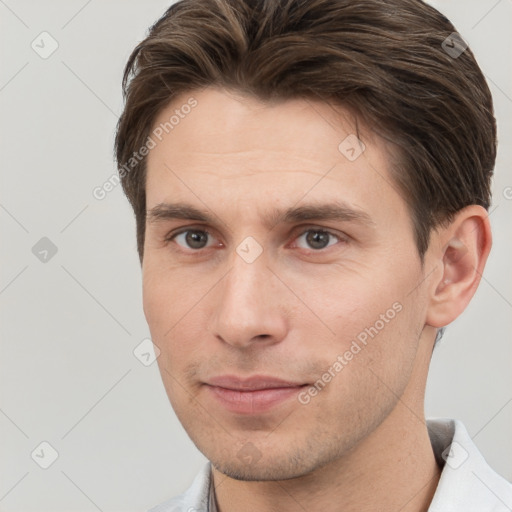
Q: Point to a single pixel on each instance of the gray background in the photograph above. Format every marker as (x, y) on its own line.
(69, 325)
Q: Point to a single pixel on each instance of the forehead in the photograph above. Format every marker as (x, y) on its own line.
(295, 126)
(236, 149)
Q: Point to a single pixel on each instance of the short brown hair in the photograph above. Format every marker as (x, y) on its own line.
(387, 61)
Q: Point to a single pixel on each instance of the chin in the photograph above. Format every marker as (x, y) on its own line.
(263, 474)
(265, 469)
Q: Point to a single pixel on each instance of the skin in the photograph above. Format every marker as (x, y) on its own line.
(361, 443)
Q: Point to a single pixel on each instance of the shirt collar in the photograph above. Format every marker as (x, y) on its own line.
(212, 505)
(467, 482)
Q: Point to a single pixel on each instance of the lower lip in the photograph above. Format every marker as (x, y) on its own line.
(252, 402)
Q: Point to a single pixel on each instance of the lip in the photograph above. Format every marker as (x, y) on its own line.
(256, 382)
(252, 395)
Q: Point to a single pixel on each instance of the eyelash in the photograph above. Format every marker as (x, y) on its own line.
(341, 238)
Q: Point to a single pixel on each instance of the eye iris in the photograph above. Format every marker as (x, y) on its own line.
(314, 237)
(195, 238)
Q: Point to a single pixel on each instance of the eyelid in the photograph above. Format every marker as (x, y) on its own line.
(300, 230)
(184, 229)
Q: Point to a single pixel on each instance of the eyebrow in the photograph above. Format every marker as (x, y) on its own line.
(335, 211)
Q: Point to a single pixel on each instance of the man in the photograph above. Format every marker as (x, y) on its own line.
(311, 184)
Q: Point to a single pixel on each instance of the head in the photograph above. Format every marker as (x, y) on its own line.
(309, 180)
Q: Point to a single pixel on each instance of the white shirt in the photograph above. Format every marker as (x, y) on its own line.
(467, 483)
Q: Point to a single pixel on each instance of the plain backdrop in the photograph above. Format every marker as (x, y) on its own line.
(70, 280)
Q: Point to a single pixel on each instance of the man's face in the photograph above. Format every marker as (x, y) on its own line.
(239, 297)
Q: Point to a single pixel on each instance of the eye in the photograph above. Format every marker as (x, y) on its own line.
(197, 239)
(318, 239)
(191, 238)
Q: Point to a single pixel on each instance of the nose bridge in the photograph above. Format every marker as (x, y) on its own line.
(244, 283)
(246, 310)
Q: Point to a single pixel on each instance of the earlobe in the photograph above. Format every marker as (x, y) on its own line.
(465, 245)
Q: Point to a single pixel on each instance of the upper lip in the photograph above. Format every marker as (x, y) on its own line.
(251, 383)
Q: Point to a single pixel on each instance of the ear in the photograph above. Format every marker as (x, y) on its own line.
(461, 251)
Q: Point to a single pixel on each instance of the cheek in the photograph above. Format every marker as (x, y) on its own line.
(162, 311)
(372, 362)
(351, 307)
(376, 322)
(164, 294)
(172, 305)
(155, 302)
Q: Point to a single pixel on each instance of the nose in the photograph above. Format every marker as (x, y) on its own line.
(250, 305)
